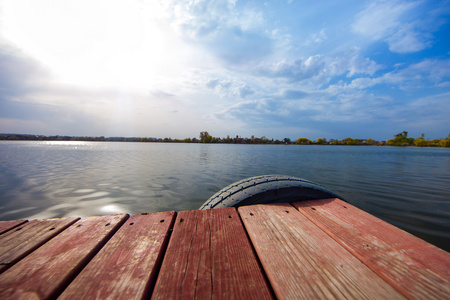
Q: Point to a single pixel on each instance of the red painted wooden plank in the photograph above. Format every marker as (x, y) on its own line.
(416, 268)
(8, 225)
(24, 239)
(303, 262)
(50, 268)
(210, 256)
(125, 268)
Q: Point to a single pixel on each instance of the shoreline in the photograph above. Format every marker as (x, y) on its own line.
(399, 141)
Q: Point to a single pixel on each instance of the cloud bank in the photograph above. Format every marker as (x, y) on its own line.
(175, 68)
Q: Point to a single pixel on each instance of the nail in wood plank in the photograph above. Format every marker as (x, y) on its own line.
(50, 268)
(8, 225)
(416, 268)
(303, 262)
(210, 256)
(24, 239)
(125, 268)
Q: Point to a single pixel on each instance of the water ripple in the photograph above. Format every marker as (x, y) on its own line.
(408, 187)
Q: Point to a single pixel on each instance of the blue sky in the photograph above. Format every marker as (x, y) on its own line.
(332, 69)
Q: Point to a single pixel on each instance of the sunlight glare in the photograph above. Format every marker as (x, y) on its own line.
(91, 43)
(112, 209)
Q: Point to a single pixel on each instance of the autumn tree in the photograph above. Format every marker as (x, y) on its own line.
(421, 142)
(303, 141)
(446, 142)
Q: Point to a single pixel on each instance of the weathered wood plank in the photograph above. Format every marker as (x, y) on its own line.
(414, 267)
(8, 225)
(303, 262)
(50, 268)
(24, 239)
(125, 268)
(210, 256)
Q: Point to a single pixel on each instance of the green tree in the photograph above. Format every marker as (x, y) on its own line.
(434, 143)
(205, 137)
(401, 139)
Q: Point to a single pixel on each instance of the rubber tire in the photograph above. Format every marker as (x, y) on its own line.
(267, 189)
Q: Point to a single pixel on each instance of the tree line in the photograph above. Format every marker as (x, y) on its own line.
(400, 139)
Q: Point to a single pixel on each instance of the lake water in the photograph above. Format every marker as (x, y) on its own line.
(407, 187)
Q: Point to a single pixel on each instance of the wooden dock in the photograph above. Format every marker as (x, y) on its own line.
(308, 250)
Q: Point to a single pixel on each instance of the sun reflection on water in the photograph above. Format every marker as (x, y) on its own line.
(112, 209)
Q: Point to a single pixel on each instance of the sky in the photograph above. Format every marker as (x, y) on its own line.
(171, 68)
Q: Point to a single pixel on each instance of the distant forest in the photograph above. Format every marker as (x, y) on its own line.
(400, 139)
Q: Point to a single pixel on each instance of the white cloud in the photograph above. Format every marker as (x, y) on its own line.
(429, 72)
(319, 69)
(212, 83)
(299, 69)
(231, 34)
(202, 18)
(397, 23)
(245, 91)
(406, 40)
(228, 87)
(316, 38)
(427, 115)
(360, 65)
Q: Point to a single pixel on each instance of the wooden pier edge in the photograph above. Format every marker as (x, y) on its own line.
(311, 249)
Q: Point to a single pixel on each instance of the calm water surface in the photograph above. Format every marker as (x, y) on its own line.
(408, 187)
